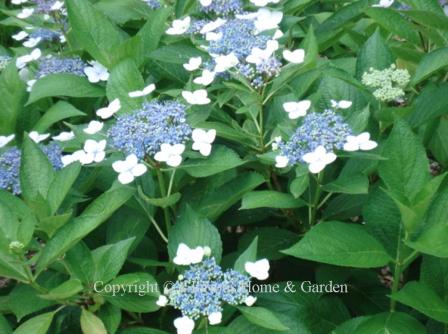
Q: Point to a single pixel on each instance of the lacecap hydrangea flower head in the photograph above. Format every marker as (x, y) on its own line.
(388, 84)
(318, 136)
(204, 287)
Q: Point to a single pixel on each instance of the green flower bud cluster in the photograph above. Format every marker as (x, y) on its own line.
(389, 83)
(16, 247)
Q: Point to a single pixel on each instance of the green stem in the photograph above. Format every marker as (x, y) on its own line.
(163, 192)
(170, 185)
(314, 205)
(158, 229)
(326, 198)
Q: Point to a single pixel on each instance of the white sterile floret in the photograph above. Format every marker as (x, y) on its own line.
(207, 251)
(94, 151)
(205, 3)
(206, 78)
(343, 104)
(384, 3)
(32, 42)
(258, 269)
(297, 109)
(281, 161)
(223, 63)
(213, 36)
(184, 325)
(162, 301)
(171, 154)
(262, 3)
(5, 140)
(250, 300)
(179, 27)
(318, 159)
(37, 137)
(145, 91)
(18, 2)
(25, 13)
(278, 34)
(275, 143)
(96, 72)
(212, 26)
(64, 136)
(198, 97)
(295, 57)
(359, 142)
(129, 169)
(23, 60)
(110, 110)
(186, 255)
(20, 36)
(258, 55)
(267, 20)
(215, 318)
(202, 140)
(193, 64)
(57, 5)
(94, 127)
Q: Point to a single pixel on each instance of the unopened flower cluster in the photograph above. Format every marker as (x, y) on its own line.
(388, 84)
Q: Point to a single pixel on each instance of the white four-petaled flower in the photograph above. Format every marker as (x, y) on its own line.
(145, 91)
(213, 25)
(20, 36)
(32, 42)
(215, 318)
(198, 97)
(267, 20)
(25, 13)
(110, 110)
(64, 136)
(297, 109)
(205, 3)
(18, 2)
(37, 137)
(258, 269)
(263, 3)
(23, 60)
(162, 301)
(94, 127)
(193, 64)
(250, 300)
(129, 169)
(359, 142)
(96, 72)
(295, 57)
(318, 159)
(179, 26)
(384, 3)
(186, 255)
(171, 154)
(94, 151)
(184, 325)
(281, 161)
(343, 104)
(206, 78)
(224, 62)
(258, 55)
(5, 140)
(202, 140)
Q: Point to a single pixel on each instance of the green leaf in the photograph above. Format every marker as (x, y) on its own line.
(420, 297)
(91, 324)
(193, 230)
(353, 184)
(13, 92)
(61, 185)
(221, 159)
(430, 19)
(211, 201)
(142, 330)
(59, 111)
(429, 104)
(431, 63)
(111, 317)
(300, 182)
(434, 273)
(142, 300)
(79, 260)
(94, 31)
(36, 325)
(341, 244)
(439, 142)
(36, 172)
(64, 291)
(154, 29)
(124, 78)
(63, 84)
(250, 254)
(434, 236)
(406, 171)
(374, 53)
(5, 328)
(394, 22)
(95, 214)
(270, 199)
(110, 258)
(34, 302)
(163, 202)
(428, 5)
(262, 317)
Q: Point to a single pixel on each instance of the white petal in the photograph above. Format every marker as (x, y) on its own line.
(184, 325)
(161, 156)
(94, 127)
(205, 3)
(99, 156)
(162, 301)
(316, 167)
(344, 104)
(250, 300)
(125, 177)
(178, 149)
(139, 170)
(25, 13)
(368, 145)
(20, 36)
(215, 318)
(120, 166)
(281, 161)
(329, 158)
(5, 140)
(205, 149)
(351, 146)
(193, 64)
(174, 160)
(295, 57)
(64, 136)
